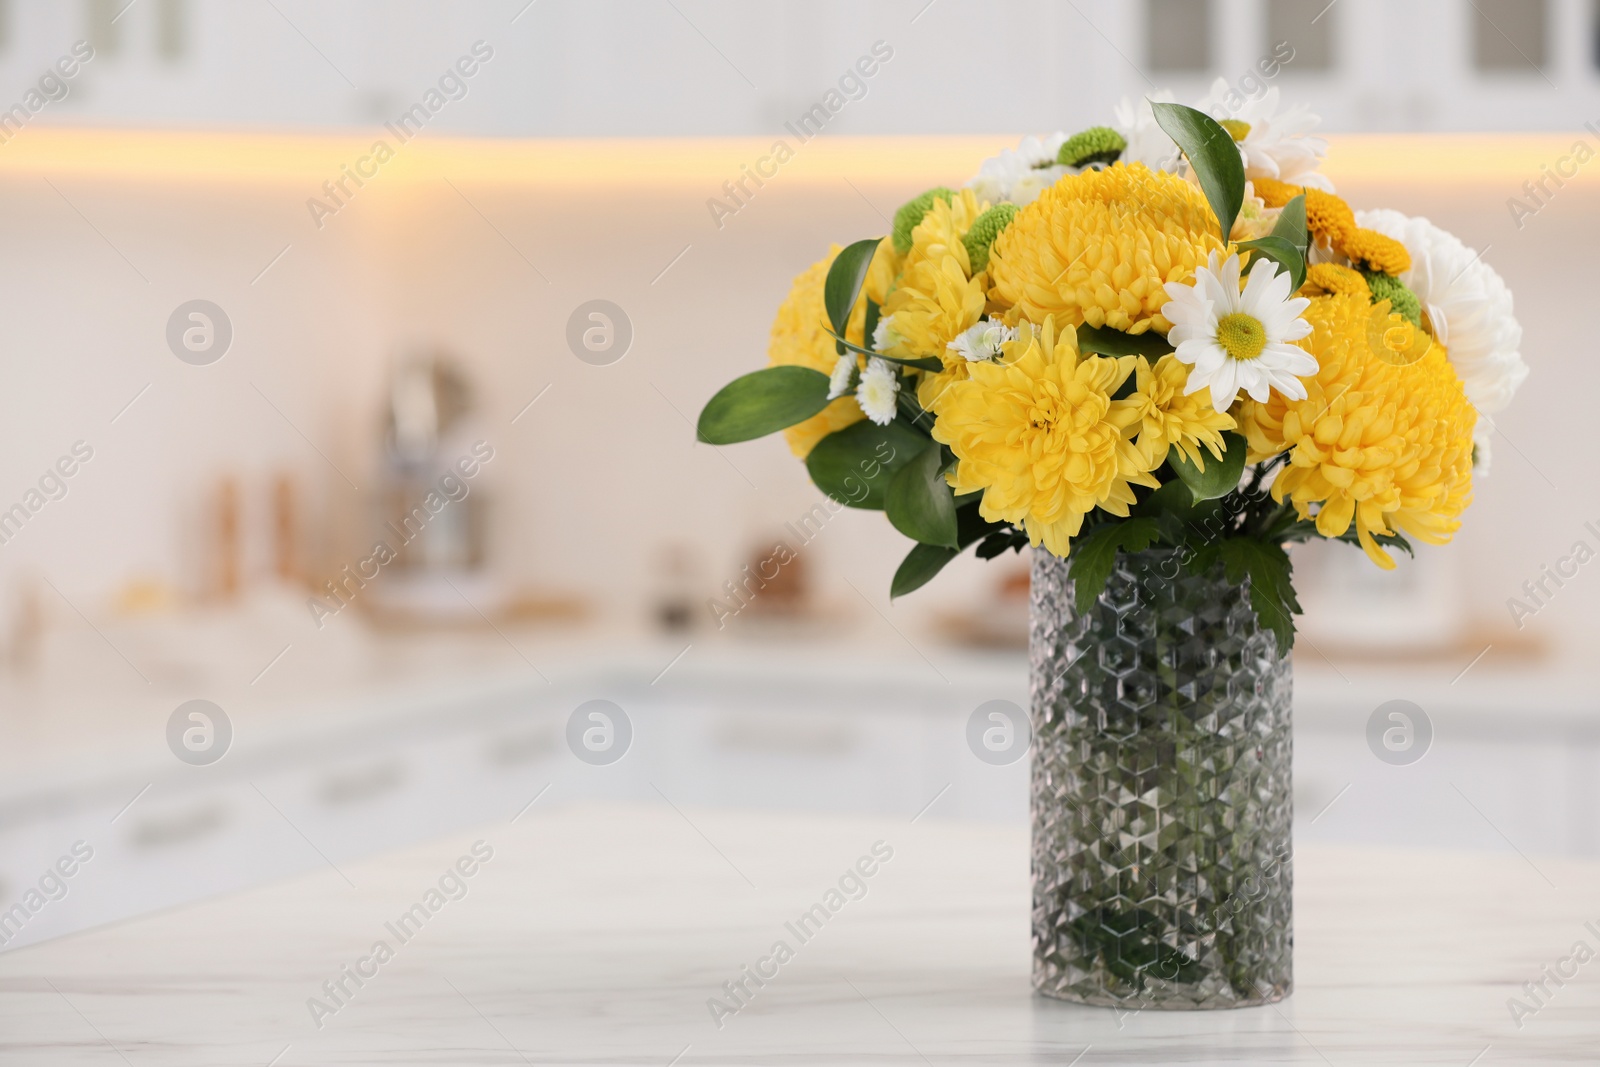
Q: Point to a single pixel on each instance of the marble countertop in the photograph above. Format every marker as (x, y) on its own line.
(590, 934)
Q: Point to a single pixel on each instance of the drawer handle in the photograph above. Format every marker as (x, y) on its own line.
(180, 828)
(353, 787)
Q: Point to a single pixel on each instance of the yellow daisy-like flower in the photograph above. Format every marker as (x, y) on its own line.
(1324, 278)
(1039, 434)
(1097, 248)
(1167, 417)
(1384, 438)
(800, 336)
(937, 297)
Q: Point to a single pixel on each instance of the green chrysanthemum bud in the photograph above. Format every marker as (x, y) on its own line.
(1402, 301)
(1238, 129)
(983, 232)
(911, 213)
(1097, 144)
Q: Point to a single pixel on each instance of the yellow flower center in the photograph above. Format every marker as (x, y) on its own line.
(1241, 336)
(1238, 129)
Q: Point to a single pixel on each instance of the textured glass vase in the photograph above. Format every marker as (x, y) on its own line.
(1161, 791)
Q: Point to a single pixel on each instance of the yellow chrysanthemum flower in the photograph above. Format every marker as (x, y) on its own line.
(1097, 248)
(936, 297)
(800, 336)
(1327, 216)
(1324, 278)
(1374, 251)
(1039, 434)
(1166, 417)
(1384, 438)
(1332, 222)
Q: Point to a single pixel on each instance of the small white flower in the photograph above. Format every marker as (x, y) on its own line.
(1277, 145)
(1239, 340)
(839, 380)
(876, 392)
(1020, 174)
(884, 335)
(1468, 305)
(1148, 143)
(982, 340)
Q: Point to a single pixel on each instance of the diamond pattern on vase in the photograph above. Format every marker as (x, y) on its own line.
(1161, 791)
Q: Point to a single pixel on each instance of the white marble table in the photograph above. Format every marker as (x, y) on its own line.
(597, 934)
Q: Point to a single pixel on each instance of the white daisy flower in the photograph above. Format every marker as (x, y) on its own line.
(1275, 145)
(876, 392)
(1468, 306)
(1020, 174)
(1148, 143)
(884, 335)
(982, 340)
(1239, 340)
(839, 380)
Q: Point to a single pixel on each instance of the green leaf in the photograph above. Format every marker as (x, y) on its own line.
(845, 278)
(856, 464)
(919, 567)
(1220, 477)
(1213, 155)
(1094, 555)
(1281, 252)
(1291, 225)
(919, 501)
(869, 325)
(1171, 506)
(1173, 497)
(925, 561)
(1104, 341)
(1002, 540)
(762, 402)
(1271, 582)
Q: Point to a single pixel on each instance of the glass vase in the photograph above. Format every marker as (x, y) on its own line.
(1161, 795)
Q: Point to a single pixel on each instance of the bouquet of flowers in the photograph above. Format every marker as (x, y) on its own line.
(1166, 332)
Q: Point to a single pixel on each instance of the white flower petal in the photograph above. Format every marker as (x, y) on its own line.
(1291, 358)
(839, 380)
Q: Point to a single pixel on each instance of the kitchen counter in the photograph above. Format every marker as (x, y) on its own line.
(596, 934)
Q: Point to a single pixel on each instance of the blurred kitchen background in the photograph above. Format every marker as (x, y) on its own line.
(375, 324)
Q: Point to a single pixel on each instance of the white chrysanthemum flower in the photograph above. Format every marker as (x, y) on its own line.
(1148, 143)
(1239, 340)
(1468, 306)
(1276, 145)
(982, 340)
(884, 335)
(877, 390)
(1020, 174)
(839, 380)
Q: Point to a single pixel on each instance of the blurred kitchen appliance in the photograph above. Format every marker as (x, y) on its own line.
(430, 507)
